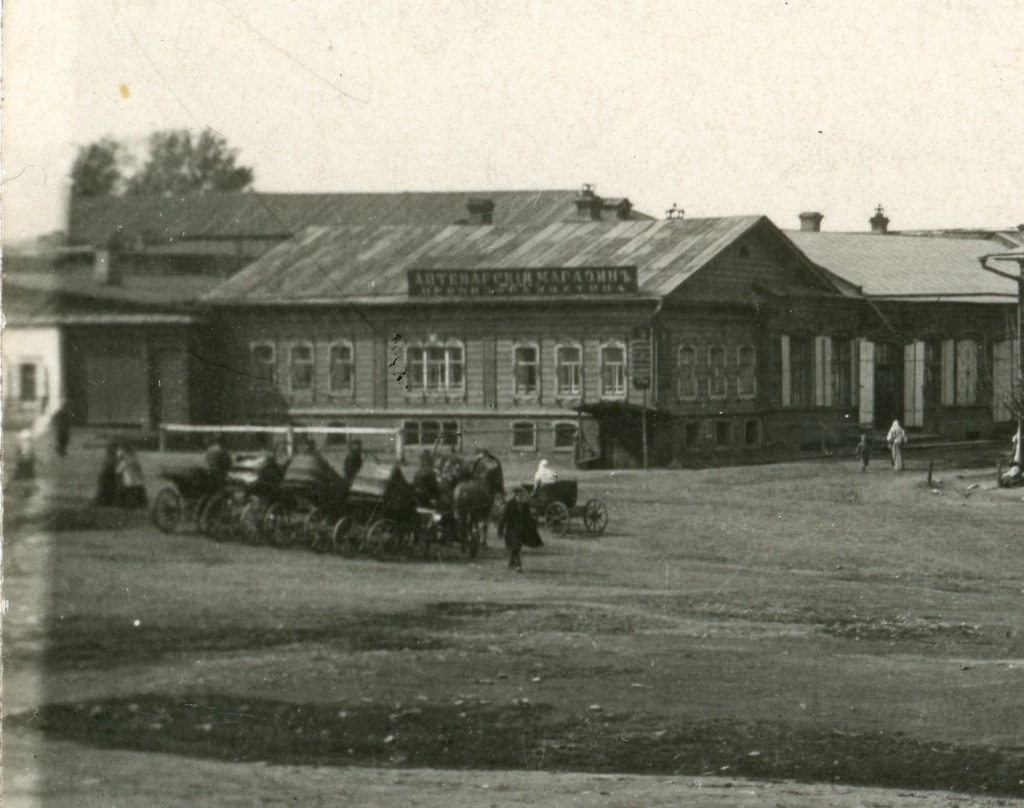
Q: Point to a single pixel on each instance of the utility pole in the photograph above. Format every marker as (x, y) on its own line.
(1018, 257)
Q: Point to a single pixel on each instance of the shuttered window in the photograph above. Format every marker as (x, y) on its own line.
(435, 368)
(264, 362)
(569, 370)
(746, 384)
(300, 367)
(526, 370)
(341, 377)
(686, 373)
(613, 370)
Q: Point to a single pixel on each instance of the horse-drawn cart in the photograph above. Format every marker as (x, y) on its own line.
(555, 503)
(184, 496)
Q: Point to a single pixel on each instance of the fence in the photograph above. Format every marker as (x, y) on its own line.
(392, 436)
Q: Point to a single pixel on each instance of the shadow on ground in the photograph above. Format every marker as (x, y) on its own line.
(476, 734)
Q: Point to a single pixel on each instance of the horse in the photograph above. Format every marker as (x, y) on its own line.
(477, 489)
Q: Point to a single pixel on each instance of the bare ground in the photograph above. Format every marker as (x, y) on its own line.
(785, 635)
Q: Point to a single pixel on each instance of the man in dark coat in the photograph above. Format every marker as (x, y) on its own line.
(517, 527)
(353, 461)
(217, 457)
(425, 483)
(62, 428)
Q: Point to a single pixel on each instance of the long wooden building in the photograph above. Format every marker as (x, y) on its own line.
(528, 337)
(534, 322)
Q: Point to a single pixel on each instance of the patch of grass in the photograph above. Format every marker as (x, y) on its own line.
(81, 643)
(475, 734)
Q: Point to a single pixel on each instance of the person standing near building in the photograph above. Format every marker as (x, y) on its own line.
(61, 421)
(518, 529)
(896, 439)
(863, 452)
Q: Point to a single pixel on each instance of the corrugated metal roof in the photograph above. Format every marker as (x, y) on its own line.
(372, 261)
(895, 266)
(279, 216)
(66, 290)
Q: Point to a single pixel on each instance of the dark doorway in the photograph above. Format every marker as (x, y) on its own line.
(167, 384)
(888, 384)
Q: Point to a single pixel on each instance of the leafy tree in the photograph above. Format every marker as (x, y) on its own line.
(179, 163)
(98, 169)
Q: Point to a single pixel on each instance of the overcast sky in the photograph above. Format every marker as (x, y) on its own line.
(721, 107)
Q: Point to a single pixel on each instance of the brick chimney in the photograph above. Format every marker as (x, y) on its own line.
(588, 204)
(879, 222)
(481, 210)
(810, 221)
(105, 269)
(623, 209)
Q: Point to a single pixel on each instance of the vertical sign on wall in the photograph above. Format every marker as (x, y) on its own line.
(640, 358)
(380, 381)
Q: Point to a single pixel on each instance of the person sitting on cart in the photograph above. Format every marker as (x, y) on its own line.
(545, 474)
(308, 468)
(424, 482)
(106, 483)
(218, 458)
(131, 485)
(353, 461)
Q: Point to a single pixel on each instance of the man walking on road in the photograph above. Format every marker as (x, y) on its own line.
(517, 527)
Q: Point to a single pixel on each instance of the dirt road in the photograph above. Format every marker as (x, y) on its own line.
(803, 636)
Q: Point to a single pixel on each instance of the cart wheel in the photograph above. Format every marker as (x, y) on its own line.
(342, 537)
(315, 532)
(595, 516)
(215, 517)
(277, 525)
(168, 509)
(251, 521)
(379, 538)
(556, 518)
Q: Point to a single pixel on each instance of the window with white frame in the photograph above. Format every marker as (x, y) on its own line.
(613, 370)
(565, 436)
(340, 375)
(264, 362)
(429, 432)
(300, 367)
(717, 384)
(526, 369)
(686, 371)
(28, 382)
(746, 379)
(435, 368)
(569, 370)
(524, 435)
